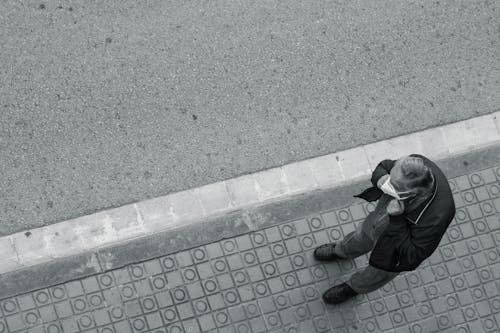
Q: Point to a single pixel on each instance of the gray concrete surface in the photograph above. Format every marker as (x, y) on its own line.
(267, 280)
(235, 224)
(104, 103)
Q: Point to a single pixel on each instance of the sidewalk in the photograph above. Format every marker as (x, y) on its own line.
(266, 280)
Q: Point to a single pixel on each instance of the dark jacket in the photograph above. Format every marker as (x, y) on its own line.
(413, 236)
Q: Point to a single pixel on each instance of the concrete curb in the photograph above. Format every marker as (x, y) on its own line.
(336, 203)
(179, 210)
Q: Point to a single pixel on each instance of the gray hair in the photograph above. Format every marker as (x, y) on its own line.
(418, 177)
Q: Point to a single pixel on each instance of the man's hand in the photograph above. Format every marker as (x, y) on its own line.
(382, 180)
(395, 207)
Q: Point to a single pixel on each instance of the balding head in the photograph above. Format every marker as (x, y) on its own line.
(411, 174)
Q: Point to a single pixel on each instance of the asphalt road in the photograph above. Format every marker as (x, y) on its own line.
(104, 103)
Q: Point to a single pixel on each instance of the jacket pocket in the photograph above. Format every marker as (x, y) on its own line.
(397, 259)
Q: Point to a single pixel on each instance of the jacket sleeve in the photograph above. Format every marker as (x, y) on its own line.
(382, 169)
(374, 193)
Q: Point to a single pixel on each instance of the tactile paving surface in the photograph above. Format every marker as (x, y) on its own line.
(268, 281)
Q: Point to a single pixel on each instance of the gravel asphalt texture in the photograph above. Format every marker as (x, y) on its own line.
(104, 103)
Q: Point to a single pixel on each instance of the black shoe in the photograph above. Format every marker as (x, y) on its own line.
(338, 294)
(325, 252)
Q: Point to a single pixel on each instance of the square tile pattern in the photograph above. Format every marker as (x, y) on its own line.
(268, 281)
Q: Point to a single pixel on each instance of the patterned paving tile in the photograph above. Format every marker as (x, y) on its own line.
(268, 281)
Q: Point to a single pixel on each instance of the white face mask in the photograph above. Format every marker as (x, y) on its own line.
(387, 188)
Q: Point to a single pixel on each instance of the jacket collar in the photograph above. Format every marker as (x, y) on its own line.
(415, 215)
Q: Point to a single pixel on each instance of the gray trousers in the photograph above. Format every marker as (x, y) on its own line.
(363, 240)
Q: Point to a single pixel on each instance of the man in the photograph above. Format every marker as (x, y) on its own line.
(415, 206)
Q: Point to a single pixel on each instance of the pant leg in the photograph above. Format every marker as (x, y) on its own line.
(363, 239)
(370, 279)
(354, 244)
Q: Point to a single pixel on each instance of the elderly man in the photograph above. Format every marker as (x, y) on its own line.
(415, 206)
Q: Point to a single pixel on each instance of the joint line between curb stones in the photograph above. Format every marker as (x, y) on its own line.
(200, 203)
(139, 217)
(497, 123)
(101, 265)
(232, 202)
(11, 240)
